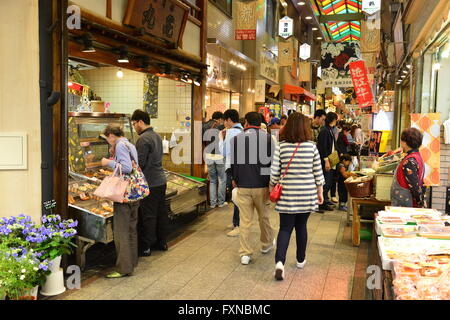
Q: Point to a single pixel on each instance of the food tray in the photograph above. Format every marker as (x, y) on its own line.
(435, 232)
(398, 231)
(411, 211)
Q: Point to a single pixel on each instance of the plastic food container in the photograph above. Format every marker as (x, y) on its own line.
(399, 231)
(435, 232)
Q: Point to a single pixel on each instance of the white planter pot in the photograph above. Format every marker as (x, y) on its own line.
(55, 263)
(54, 283)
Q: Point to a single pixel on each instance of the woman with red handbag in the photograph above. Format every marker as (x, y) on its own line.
(296, 186)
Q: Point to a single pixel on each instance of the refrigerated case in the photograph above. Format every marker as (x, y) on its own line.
(95, 215)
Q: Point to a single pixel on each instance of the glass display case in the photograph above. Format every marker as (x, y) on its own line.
(95, 215)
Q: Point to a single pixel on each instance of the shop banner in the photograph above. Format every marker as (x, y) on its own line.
(151, 84)
(285, 53)
(286, 27)
(335, 63)
(268, 67)
(361, 83)
(370, 38)
(371, 6)
(245, 22)
(162, 19)
(429, 125)
(260, 90)
(305, 71)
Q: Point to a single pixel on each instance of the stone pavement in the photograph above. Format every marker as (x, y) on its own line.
(205, 265)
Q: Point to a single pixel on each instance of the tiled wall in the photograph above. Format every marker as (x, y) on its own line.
(220, 26)
(125, 94)
(439, 193)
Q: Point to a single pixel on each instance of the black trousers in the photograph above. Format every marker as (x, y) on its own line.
(330, 179)
(343, 194)
(153, 219)
(287, 223)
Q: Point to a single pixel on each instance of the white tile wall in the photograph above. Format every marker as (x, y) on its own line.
(125, 94)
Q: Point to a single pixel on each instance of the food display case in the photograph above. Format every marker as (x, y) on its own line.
(95, 215)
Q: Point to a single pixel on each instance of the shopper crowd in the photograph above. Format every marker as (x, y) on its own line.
(247, 159)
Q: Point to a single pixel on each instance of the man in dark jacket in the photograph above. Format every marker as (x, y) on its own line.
(251, 156)
(153, 217)
(326, 144)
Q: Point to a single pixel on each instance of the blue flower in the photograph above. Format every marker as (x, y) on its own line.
(43, 267)
(73, 224)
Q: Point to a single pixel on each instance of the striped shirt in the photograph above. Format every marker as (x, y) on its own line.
(304, 175)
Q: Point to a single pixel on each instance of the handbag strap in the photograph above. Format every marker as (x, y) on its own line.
(292, 157)
(129, 149)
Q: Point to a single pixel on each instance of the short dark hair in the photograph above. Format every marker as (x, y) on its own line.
(114, 129)
(331, 116)
(345, 157)
(141, 115)
(231, 114)
(242, 121)
(284, 117)
(412, 137)
(217, 115)
(319, 113)
(263, 119)
(346, 128)
(272, 115)
(253, 118)
(297, 129)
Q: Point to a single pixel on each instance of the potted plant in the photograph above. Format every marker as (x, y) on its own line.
(21, 272)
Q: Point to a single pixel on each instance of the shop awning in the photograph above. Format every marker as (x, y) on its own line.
(290, 89)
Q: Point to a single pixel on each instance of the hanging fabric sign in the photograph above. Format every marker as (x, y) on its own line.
(285, 49)
(294, 66)
(361, 83)
(305, 71)
(370, 38)
(335, 62)
(245, 22)
(260, 90)
(429, 125)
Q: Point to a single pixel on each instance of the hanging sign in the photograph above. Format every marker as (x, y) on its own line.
(268, 66)
(286, 27)
(260, 90)
(305, 51)
(285, 49)
(361, 83)
(371, 6)
(162, 19)
(295, 59)
(336, 58)
(245, 22)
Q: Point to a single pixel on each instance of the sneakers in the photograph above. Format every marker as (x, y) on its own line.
(145, 253)
(245, 260)
(266, 250)
(223, 205)
(343, 208)
(326, 207)
(234, 232)
(230, 226)
(279, 271)
(212, 206)
(334, 199)
(301, 265)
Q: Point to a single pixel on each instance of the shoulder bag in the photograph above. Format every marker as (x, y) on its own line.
(275, 195)
(137, 188)
(112, 187)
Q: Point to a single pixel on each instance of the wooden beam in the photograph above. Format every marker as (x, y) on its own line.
(109, 9)
(342, 17)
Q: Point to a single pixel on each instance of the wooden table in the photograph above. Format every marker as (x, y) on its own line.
(356, 221)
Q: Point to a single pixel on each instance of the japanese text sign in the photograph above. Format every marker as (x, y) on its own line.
(245, 22)
(286, 27)
(361, 83)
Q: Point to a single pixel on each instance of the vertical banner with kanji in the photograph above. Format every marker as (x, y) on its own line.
(429, 125)
(245, 22)
(361, 83)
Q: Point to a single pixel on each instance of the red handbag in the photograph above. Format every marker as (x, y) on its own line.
(275, 194)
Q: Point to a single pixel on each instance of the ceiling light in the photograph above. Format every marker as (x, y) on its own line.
(319, 38)
(123, 55)
(284, 4)
(119, 74)
(253, 90)
(408, 66)
(87, 43)
(403, 76)
(315, 29)
(301, 3)
(225, 82)
(405, 71)
(308, 18)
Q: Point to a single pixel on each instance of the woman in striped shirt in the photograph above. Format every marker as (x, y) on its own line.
(302, 187)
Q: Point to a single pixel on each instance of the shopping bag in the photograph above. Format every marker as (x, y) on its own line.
(113, 187)
(137, 188)
(334, 159)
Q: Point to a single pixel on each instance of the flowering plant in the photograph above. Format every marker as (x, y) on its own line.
(20, 270)
(55, 236)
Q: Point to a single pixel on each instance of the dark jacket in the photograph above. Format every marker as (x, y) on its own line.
(325, 142)
(251, 158)
(210, 133)
(150, 153)
(342, 144)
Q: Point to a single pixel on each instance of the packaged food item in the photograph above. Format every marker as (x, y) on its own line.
(83, 196)
(435, 232)
(399, 231)
(391, 220)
